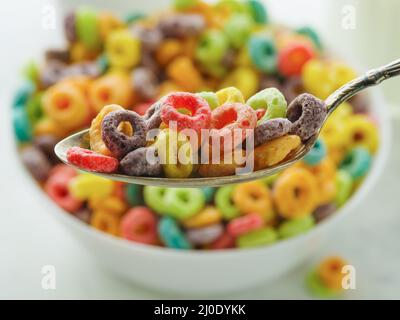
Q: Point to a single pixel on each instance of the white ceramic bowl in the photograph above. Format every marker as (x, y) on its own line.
(209, 272)
(216, 271)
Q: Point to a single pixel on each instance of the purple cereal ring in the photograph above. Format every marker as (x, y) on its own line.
(182, 25)
(324, 211)
(206, 235)
(116, 141)
(36, 162)
(145, 83)
(51, 73)
(137, 163)
(150, 38)
(61, 55)
(69, 27)
(152, 116)
(271, 129)
(292, 88)
(307, 114)
(46, 144)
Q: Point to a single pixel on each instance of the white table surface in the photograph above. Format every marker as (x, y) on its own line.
(30, 237)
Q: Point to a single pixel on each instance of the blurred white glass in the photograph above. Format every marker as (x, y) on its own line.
(367, 32)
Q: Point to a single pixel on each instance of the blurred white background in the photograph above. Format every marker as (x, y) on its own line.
(30, 237)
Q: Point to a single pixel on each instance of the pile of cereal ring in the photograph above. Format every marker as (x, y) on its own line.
(129, 64)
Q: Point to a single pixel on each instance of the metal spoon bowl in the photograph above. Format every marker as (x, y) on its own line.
(371, 78)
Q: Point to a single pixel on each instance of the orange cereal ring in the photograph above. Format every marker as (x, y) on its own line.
(182, 71)
(79, 52)
(330, 272)
(295, 193)
(108, 89)
(95, 132)
(169, 50)
(107, 22)
(208, 216)
(168, 87)
(215, 169)
(105, 221)
(110, 204)
(66, 104)
(47, 126)
(254, 197)
(275, 151)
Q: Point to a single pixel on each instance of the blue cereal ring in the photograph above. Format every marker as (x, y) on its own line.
(311, 34)
(23, 94)
(171, 235)
(22, 127)
(258, 12)
(316, 154)
(263, 53)
(208, 193)
(357, 162)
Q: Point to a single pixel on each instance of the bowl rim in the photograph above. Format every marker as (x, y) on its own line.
(380, 158)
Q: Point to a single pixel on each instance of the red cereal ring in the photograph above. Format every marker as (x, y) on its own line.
(90, 160)
(291, 59)
(56, 187)
(230, 117)
(225, 241)
(199, 115)
(140, 224)
(245, 224)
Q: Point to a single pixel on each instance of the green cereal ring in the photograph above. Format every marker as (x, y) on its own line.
(171, 235)
(317, 288)
(223, 201)
(208, 193)
(238, 29)
(291, 228)
(310, 33)
(23, 93)
(272, 100)
(87, 29)
(257, 238)
(22, 127)
(184, 4)
(210, 97)
(258, 11)
(132, 194)
(263, 53)
(344, 187)
(31, 71)
(182, 203)
(154, 198)
(357, 162)
(212, 47)
(34, 108)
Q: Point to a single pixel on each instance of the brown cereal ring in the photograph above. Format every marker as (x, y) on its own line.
(307, 113)
(118, 142)
(295, 193)
(270, 130)
(275, 151)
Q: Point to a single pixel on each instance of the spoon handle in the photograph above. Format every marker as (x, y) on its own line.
(371, 78)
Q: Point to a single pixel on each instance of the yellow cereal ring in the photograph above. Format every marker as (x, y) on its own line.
(221, 169)
(295, 193)
(341, 73)
(85, 186)
(106, 222)
(243, 78)
(112, 88)
(335, 134)
(208, 216)
(362, 132)
(229, 95)
(275, 151)
(254, 197)
(123, 49)
(168, 51)
(330, 272)
(182, 71)
(95, 134)
(325, 174)
(66, 104)
(317, 79)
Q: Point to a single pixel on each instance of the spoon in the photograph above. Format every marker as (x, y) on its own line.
(371, 78)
